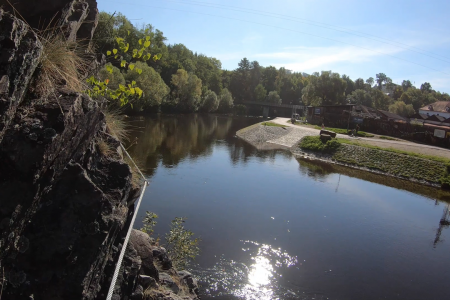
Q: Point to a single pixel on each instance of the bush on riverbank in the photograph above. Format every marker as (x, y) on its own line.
(445, 179)
(314, 143)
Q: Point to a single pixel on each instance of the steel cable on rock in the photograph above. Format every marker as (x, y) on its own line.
(127, 237)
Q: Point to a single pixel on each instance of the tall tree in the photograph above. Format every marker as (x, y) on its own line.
(208, 70)
(398, 92)
(350, 85)
(401, 109)
(210, 102)
(269, 78)
(240, 81)
(187, 91)
(154, 88)
(359, 84)
(370, 81)
(406, 84)
(361, 97)
(426, 87)
(255, 74)
(260, 93)
(273, 97)
(225, 101)
(379, 99)
(381, 78)
(324, 89)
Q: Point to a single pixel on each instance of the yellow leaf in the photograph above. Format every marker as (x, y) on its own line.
(115, 51)
(131, 67)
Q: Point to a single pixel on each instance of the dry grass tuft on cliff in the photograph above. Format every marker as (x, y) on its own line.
(116, 125)
(104, 148)
(62, 65)
(136, 178)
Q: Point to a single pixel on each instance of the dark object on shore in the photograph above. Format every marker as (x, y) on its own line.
(327, 132)
(324, 138)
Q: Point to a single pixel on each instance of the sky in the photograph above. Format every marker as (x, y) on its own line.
(405, 39)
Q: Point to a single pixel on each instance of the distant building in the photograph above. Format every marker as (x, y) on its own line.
(440, 108)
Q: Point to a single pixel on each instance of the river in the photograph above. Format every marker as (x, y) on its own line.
(274, 227)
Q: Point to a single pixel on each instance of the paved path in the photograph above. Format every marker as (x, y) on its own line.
(399, 145)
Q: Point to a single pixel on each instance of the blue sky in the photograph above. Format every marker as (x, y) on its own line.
(403, 39)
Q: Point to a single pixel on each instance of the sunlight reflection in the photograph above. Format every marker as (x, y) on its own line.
(260, 272)
(258, 280)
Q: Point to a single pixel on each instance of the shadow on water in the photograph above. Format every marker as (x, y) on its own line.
(319, 170)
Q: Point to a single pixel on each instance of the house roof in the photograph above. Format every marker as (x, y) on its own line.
(435, 118)
(392, 115)
(419, 116)
(436, 126)
(440, 106)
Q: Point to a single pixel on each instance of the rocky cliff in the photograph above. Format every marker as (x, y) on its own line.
(65, 205)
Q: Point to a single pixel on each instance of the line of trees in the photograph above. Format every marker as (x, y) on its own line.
(185, 81)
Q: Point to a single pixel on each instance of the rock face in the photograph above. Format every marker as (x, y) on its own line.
(20, 51)
(80, 16)
(63, 203)
(66, 205)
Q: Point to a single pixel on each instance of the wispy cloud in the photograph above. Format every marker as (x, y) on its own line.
(316, 58)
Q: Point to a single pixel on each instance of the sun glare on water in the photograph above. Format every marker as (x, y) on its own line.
(258, 280)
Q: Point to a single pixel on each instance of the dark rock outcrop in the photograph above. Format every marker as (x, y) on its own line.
(66, 203)
(65, 206)
(20, 51)
(143, 273)
(79, 16)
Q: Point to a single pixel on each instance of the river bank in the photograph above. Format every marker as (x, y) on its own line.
(414, 167)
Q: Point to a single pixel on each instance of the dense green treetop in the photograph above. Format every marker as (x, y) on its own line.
(183, 80)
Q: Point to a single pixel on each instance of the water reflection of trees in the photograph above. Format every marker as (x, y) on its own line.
(241, 153)
(170, 140)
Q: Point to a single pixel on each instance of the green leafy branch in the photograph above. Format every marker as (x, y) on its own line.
(124, 93)
(149, 222)
(180, 244)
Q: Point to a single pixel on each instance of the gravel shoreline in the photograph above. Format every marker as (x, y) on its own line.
(279, 137)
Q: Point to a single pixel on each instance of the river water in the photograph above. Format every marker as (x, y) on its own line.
(274, 227)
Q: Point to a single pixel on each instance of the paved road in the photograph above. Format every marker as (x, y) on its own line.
(399, 145)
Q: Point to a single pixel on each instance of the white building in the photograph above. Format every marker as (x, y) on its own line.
(440, 108)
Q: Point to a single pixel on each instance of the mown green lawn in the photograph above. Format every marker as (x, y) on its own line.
(344, 131)
(272, 124)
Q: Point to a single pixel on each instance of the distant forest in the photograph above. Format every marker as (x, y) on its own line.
(184, 81)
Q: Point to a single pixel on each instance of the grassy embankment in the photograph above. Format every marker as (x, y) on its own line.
(344, 131)
(402, 164)
(272, 124)
(388, 138)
